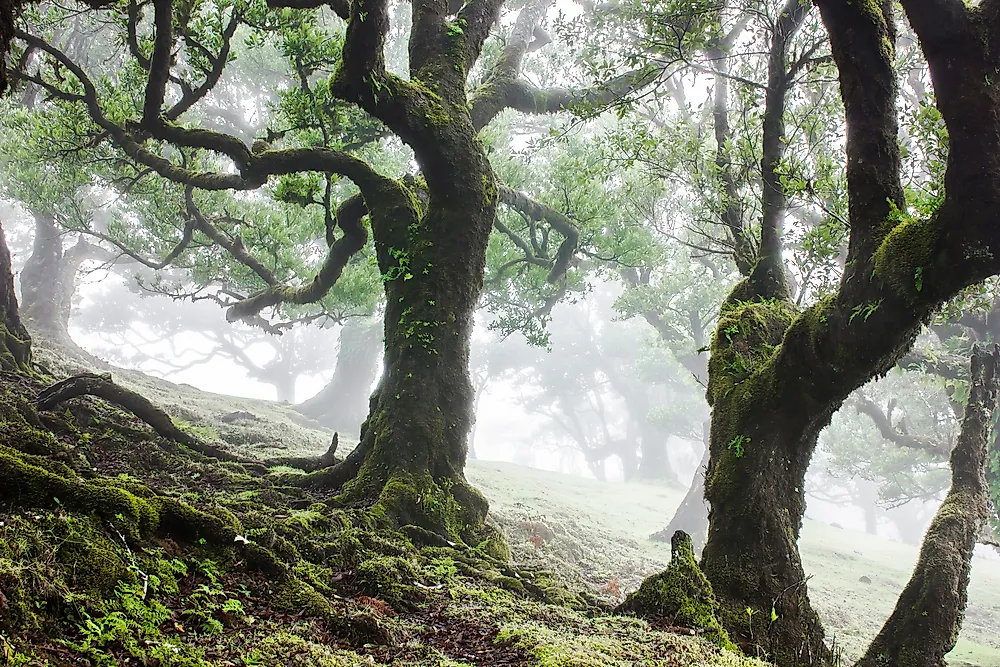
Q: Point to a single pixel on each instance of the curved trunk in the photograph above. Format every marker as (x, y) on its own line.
(343, 403)
(928, 615)
(15, 343)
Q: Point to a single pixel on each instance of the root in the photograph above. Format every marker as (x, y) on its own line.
(102, 386)
(309, 463)
(334, 476)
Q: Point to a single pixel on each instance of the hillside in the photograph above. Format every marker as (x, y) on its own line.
(607, 524)
(343, 610)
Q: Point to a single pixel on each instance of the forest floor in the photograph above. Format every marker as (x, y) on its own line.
(100, 565)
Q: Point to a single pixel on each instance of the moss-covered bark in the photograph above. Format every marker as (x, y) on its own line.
(430, 237)
(680, 593)
(15, 343)
(416, 437)
(755, 482)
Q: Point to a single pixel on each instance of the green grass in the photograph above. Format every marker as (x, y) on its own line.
(607, 526)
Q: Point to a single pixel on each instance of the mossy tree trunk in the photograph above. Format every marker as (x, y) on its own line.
(343, 403)
(15, 343)
(430, 240)
(928, 615)
(777, 376)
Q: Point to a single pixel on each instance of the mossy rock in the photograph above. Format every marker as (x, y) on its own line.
(680, 593)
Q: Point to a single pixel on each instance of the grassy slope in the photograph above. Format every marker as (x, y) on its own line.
(599, 531)
(101, 508)
(614, 520)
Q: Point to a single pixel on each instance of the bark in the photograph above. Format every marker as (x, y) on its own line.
(343, 403)
(755, 485)
(415, 440)
(777, 376)
(928, 616)
(15, 343)
(408, 467)
(871, 518)
(9, 11)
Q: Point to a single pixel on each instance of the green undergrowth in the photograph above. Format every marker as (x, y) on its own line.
(118, 547)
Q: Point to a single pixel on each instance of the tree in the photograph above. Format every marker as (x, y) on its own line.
(430, 229)
(343, 403)
(15, 343)
(777, 374)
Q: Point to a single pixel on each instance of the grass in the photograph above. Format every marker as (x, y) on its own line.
(611, 522)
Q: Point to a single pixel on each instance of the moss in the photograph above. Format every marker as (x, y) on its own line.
(746, 338)
(681, 593)
(276, 649)
(294, 595)
(418, 499)
(388, 578)
(905, 256)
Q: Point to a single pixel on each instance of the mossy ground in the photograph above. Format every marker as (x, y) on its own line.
(118, 547)
(560, 529)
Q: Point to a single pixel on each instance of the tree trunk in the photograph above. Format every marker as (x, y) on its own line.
(692, 514)
(929, 613)
(15, 343)
(871, 519)
(432, 256)
(343, 403)
(755, 484)
(48, 280)
(284, 387)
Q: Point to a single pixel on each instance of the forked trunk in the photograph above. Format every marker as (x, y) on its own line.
(755, 484)
(15, 343)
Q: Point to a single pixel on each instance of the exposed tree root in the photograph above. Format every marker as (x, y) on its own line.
(102, 386)
(309, 463)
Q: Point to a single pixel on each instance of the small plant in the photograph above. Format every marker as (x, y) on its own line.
(738, 444)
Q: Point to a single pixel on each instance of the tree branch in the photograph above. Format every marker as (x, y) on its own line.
(883, 422)
(349, 219)
(540, 212)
